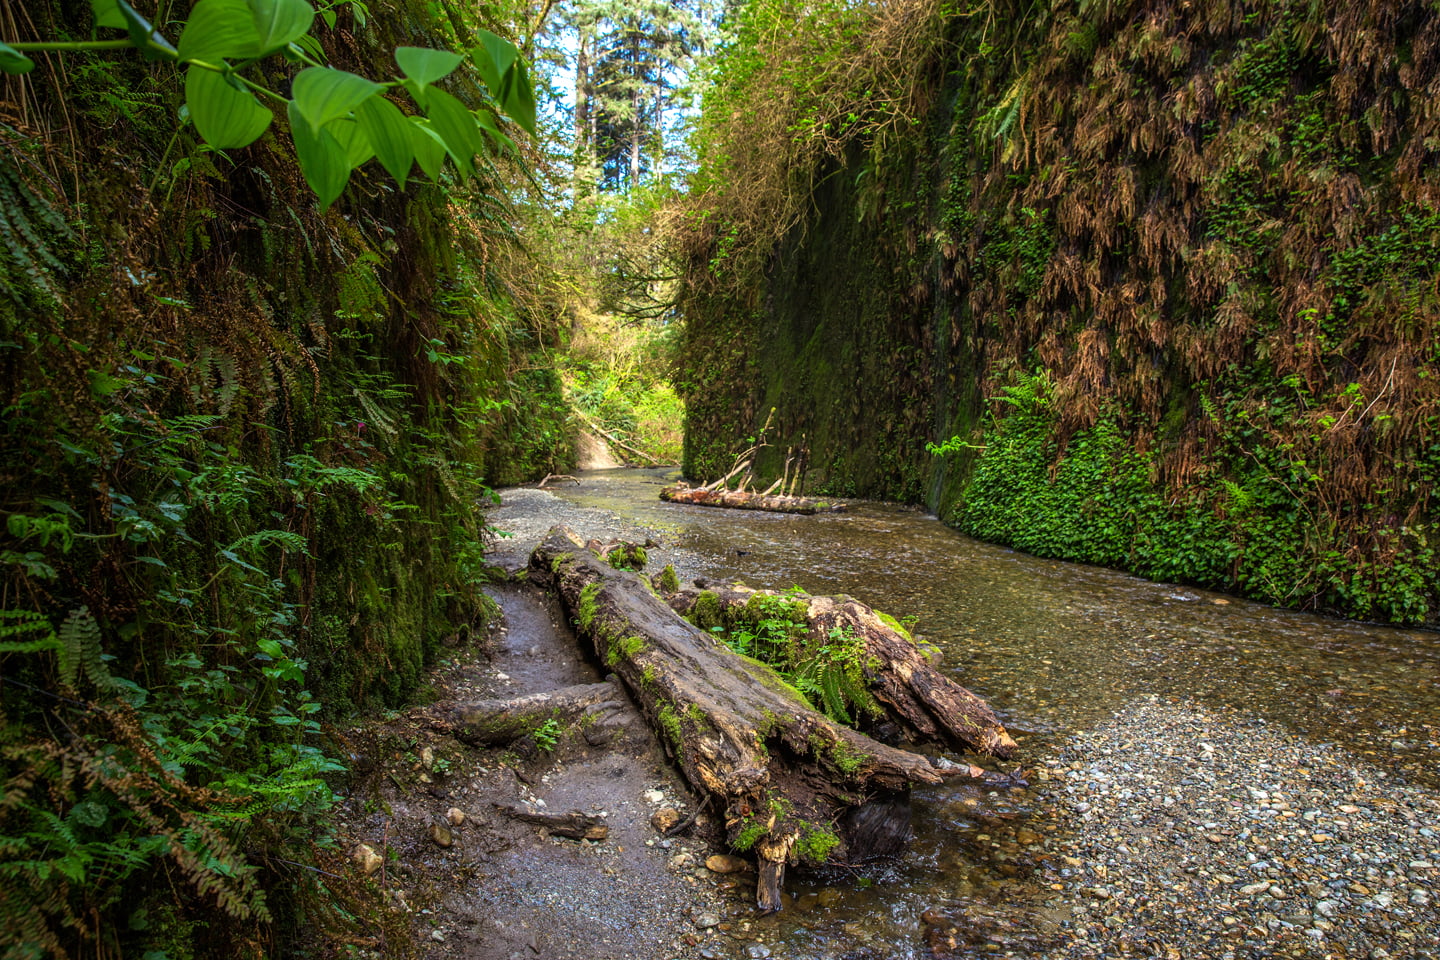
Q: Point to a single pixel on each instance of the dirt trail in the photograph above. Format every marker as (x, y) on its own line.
(502, 889)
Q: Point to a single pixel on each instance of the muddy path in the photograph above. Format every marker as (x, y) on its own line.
(480, 885)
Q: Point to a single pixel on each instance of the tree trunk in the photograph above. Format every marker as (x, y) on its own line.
(748, 500)
(915, 701)
(786, 777)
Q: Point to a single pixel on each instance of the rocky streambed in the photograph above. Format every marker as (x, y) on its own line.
(1165, 825)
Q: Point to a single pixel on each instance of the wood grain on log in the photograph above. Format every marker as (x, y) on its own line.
(498, 722)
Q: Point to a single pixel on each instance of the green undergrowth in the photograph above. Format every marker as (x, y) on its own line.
(1253, 527)
(773, 631)
(244, 446)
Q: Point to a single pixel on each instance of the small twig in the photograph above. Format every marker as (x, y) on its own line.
(689, 821)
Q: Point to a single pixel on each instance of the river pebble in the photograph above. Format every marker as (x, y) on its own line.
(1208, 835)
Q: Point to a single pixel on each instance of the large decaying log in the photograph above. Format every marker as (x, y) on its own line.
(915, 700)
(748, 500)
(787, 778)
(498, 722)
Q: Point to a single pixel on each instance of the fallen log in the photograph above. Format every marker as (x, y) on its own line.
(904, 696)
(786, 777)
(748, 500)
(576, 826)
(498, 722)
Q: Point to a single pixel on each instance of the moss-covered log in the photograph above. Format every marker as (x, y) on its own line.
(495, 722)
(901, 693)
(788, 778)
(748, 500)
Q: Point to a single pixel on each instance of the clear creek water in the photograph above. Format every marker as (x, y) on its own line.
(1056, 648)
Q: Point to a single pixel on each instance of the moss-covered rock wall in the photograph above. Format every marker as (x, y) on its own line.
(243, 446)
(1159, 279)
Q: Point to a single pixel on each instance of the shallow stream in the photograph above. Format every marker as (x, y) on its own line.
(1056, 648)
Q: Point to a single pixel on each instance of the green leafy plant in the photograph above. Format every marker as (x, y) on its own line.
(338, 120)
(547, 734)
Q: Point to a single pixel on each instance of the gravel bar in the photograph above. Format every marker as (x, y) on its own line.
(1181, 832)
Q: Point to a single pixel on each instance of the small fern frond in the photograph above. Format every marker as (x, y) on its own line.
(80, 649)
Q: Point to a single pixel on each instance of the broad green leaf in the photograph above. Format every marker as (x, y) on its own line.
(107, 14)
(493, 58)
(322, 159)
(219, 30)
(352, 138)
(518, 99)
(429, 148)
(226, 117)
(280, 22)
(13, 61)
(426, 66)
(417, 91)
(322, 94)
(456, 126)
(488, 124)
(390, 134)
(147, 39)
(307, 45)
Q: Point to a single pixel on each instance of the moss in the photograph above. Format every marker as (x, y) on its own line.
(846, 758)
(588, 608)
(670, 724)
(708, 612)
(559, 560)
(815, 844)
(749, 835)
(626, 648)
(669, 581)
(894, 624)
(628, 556)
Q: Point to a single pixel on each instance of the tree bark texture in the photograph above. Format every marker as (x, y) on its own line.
(498, 722)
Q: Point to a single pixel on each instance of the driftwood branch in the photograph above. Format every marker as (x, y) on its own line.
(557, 477)
(576, 826)
(593, 425)
(748, 500)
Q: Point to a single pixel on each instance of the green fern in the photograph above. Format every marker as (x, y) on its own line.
(80, 650)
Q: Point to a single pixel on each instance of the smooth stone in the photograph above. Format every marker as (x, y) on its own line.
(441, 835)
(726, 863)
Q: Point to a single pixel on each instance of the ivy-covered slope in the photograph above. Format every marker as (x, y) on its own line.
(1166, 277)
(243, 445)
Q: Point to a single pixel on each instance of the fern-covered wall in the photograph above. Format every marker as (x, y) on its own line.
(1164, 276)
(243, 444)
